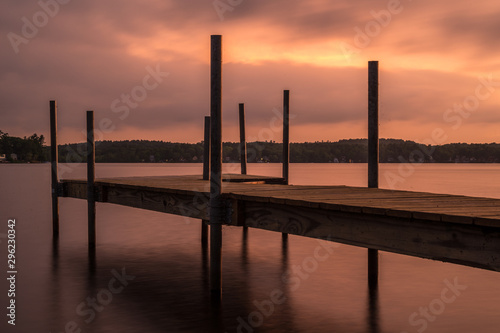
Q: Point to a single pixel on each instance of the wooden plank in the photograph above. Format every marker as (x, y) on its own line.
(172, 203)
(488, 221)
(74, 189)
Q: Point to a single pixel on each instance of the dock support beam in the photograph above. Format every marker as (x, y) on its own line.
(373, 156)
(91, 179)
(54, 156)
(286, 143)
(243, 142)
(216, 208)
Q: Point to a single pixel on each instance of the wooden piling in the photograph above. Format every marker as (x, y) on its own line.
(206, 150)
(54, 156)
(216, 207)
(206, 176)
(373, 147)
(286, 143)
(243, 143)
(286, 135)
(373, 156)
(91, 179)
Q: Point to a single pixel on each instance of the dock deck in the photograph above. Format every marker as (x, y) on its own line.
(450, 228)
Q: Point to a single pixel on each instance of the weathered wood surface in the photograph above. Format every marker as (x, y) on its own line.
(403, 204)
(459, 229)
(468, 245)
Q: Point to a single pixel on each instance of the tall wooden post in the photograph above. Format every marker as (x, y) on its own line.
(54, 156)
(206, 150)
(206, 176)
(286, 135)
(243, 142)
(91, 179)
(373, 149)
(286, 144)
(373, 156)
(216, 207)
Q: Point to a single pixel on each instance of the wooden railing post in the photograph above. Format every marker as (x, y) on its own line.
(54, 156)
(373, 156)
(91, 179)
(216, 205)
(243, 143)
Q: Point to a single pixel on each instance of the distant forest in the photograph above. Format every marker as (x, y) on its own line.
(32, 149)
(27, 149)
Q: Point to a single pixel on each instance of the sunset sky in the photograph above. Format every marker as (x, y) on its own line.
(439, 62)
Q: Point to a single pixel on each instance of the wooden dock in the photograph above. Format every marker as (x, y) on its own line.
(451, 228)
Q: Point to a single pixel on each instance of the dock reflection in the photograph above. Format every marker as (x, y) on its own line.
(373, 309)
(171, 291)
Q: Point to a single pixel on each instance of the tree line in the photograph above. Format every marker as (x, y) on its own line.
(343, 151)
(31, 149)
(27, 149)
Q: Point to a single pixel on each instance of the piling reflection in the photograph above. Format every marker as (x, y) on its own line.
(373, 309)
(286, 307)
(172, 290)
(55, 287)
(244, 248)
(205, 268)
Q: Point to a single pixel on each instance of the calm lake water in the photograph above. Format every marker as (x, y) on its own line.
(150, 273)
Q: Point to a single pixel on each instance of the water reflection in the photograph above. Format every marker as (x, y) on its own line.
(171, 291)
(244, 249)
(373, 309)
(55, 287)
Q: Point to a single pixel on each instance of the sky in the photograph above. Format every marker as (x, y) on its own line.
(143, 67)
